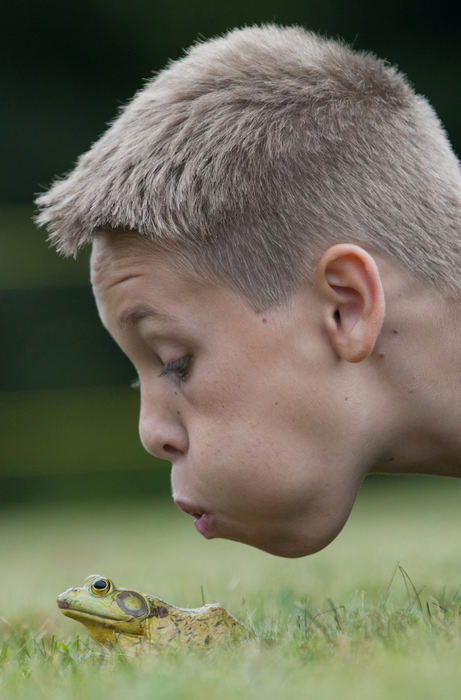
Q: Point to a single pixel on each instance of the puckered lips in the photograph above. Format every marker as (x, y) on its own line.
(203, 521)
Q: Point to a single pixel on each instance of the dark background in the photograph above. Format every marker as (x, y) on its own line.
(69, 418)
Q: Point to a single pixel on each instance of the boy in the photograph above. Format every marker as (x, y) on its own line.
(275, 224)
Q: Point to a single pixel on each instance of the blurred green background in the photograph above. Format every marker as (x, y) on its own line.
(69, 418)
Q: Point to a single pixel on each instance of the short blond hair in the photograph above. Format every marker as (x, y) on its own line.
(259, 148)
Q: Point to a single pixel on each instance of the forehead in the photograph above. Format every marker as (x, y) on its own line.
(116, 257)
(113, 251)
(127, 269)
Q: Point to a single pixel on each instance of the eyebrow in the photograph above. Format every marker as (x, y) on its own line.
(133, 315)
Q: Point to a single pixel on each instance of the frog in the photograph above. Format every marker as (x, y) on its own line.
(128, 619)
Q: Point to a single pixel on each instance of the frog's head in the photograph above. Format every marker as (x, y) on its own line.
(105, 609)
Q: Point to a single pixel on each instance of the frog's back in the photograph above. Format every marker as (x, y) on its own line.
(197, 626)
(216, 624)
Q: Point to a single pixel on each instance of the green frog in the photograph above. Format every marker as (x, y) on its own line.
(120, 616)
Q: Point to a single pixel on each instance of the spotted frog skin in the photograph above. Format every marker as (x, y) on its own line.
(123, 617)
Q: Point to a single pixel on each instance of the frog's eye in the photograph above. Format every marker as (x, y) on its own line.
(101, 586)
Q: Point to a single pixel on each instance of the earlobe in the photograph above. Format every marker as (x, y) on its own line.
(348, 279)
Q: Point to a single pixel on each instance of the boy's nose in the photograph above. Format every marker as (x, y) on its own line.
(161, 435)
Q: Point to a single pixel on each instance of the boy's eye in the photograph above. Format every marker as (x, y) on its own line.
(179, 367)
(135, 384)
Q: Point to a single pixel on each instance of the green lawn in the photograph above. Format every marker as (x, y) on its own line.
(375, 615)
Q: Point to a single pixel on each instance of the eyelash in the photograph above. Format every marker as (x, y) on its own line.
(179, 367)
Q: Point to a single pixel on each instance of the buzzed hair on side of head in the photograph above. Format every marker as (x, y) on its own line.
(258, 149)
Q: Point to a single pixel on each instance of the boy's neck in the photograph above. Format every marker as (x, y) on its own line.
(420, 354)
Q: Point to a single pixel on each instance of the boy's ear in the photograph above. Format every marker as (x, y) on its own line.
(348, 279)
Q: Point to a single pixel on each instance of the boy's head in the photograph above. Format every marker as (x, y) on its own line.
(256, 151)
(253, 193)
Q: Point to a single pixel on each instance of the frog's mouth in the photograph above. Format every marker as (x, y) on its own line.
(101, 619)
(91, 617)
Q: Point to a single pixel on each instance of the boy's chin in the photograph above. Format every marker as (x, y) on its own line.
(289, 546)
(291, 550)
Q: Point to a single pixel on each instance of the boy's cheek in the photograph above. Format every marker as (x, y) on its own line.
(245, 468)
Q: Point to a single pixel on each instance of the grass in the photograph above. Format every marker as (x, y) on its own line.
(376, 614)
